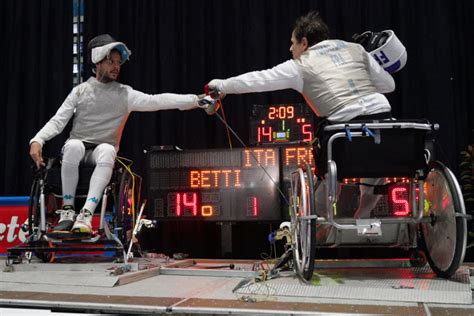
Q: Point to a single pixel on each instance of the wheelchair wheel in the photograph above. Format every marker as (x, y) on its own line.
(123, 218)
(444, 239)
(303, 229)
(33, 207)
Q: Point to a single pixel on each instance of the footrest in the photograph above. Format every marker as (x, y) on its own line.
(70, 236)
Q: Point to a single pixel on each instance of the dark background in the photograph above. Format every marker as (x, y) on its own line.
(180, 45)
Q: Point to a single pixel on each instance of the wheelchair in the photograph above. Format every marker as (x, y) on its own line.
(433, 226)
(116, 215)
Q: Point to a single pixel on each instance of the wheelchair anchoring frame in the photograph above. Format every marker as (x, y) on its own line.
(38, 234)
(436, 229)
(331, 175)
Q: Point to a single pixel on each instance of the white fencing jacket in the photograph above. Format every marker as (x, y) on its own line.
(338, 79)
(101, 110)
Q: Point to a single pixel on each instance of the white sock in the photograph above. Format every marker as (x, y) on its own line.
(99, 180)
(73, 152)
(69, 178)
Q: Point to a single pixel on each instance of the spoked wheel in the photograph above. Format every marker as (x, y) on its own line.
(444, 239)
(303, 228)
(123, 218)
(33, 206)
(33, 223)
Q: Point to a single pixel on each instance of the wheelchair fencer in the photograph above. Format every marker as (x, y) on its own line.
(435, 227)
(116, 214)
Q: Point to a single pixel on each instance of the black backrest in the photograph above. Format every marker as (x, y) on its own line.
(53, 180)
(400, 153)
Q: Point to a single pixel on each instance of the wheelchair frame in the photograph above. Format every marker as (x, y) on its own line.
(436, 229)
(44, 247)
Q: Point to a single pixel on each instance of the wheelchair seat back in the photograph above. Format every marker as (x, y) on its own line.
(397, 150)
(54, 183)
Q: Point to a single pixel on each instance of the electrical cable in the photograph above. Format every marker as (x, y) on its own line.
(253, 156)
(226, 125)
(127, 167)
(218, 98)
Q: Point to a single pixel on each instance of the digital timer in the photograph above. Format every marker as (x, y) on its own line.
(281, 112)
(281, 124)
(215, 185)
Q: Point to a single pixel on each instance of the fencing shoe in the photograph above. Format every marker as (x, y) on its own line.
(83, 222)
(66, 220)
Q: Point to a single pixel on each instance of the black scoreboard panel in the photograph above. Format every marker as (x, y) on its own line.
(291, 158)
(280, 124)
(223, 184)
(215, 185)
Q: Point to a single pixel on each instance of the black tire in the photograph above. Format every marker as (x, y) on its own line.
(308, 272)
(303, 230)
(444, 239)
(33, 206)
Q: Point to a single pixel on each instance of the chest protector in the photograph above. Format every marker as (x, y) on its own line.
(335, 73)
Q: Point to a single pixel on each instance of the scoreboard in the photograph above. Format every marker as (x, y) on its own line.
(215, 184)
(243, 184)
(222, 184)
(280, 124)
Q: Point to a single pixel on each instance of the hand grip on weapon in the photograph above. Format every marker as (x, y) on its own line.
(211, 92)
(212, 89)
(208, 104)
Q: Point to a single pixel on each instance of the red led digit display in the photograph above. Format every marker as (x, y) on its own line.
(215, 184)
(190, 202)
(254, 206)
(264, 134)
(297, 156)
(183, 203)
(177, 205)
(307, 132)
(214, 178)
(281, 123)
(271, 112)
(399, 199)
(281, 112)
(290, 112)
(186, 204)
(207, 210)
(260, 157)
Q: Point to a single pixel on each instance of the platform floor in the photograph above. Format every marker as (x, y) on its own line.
(211, 287)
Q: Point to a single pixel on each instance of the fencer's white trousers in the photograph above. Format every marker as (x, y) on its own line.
(102, 156)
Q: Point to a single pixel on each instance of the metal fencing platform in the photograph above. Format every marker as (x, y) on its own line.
(379, 284)
(213, 287)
